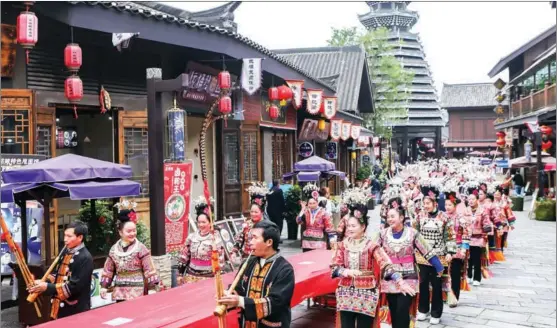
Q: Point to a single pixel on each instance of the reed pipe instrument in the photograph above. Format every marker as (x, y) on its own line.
(220, 310)
(33, 296)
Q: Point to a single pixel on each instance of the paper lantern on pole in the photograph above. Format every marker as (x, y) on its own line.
(73, 90)
(501, 142)
(500, 134)
(546, 130)
(73, 57)
(27, 31)
(273, 94)
(225, 105)
(224, 80)
(273, 112)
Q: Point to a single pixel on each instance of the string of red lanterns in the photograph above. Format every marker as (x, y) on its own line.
(225, 103)
(73, 86)
(501, 139)
(27, 30)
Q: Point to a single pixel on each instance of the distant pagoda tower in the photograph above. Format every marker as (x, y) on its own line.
(424, 113)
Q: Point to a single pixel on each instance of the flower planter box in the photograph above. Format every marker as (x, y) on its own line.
(518, 204)
(545, 210)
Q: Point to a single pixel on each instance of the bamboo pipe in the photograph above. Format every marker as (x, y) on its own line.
(27, 276)
(220, 310)
(32, 297)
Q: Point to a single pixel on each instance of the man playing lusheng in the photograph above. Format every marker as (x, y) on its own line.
(266, 287)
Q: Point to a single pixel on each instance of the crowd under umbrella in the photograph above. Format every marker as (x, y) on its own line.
(313, 169)
(67, 176)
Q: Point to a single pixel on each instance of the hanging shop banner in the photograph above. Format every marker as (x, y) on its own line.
(355, 131)
(251, 75)
(323, 135)
(12, 215)
(314, 101)
(336, 129)
(345, 131)
(331, 150)
(309, 130)
(201, 83)
(297, 87)
(177, 190)
(363, 141)
(330, 109)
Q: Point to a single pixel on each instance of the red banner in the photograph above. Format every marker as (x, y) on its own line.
(177, 190)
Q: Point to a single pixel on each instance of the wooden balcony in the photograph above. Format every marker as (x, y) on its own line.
(535, 101)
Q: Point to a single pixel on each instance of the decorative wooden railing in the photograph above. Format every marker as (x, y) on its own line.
(535, 101)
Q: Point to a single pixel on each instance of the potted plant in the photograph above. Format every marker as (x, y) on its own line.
(545, 209)
(518, 202)
(293, 208)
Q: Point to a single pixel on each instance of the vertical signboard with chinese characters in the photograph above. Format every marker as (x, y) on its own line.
(177, 191)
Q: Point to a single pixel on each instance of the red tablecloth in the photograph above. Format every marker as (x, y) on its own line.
(192, 305)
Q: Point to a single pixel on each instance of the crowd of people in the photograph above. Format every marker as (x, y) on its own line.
(418, 259)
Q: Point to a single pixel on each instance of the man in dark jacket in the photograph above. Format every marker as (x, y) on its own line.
(275, 205)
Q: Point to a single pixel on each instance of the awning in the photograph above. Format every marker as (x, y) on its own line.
(540, 114)
(471, 144)
(544, 56)
(365, 132)
(314, 163)
(309, 176)
(340, 174)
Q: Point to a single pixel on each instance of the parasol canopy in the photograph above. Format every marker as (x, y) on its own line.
(312, 169)
(476, 153)
(69, 167)
(314, 163)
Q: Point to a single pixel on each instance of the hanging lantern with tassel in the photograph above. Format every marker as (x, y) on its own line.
(224, 81)
(354, 155)
(73, 57)
(321, 125)
(546, 130)
(225, 107)
(27, 31)
(73, 89)
(501, 134)
(546, 145)
(274, 112)
(284, 94)
(501, 143)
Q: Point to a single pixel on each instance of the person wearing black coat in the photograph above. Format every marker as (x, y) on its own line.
(276, 205)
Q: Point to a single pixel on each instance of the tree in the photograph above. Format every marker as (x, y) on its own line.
(389, 78)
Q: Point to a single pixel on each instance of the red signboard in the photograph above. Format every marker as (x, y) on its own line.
(177, 190)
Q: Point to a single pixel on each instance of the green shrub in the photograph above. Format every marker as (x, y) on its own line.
(292, 200)
(363, 172)
(545, 209)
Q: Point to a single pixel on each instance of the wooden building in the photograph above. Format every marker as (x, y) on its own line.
(34, 107)
(471, 115)
(346, 71)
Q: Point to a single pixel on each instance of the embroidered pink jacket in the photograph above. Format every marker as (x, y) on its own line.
(317, 225)
(479, 220)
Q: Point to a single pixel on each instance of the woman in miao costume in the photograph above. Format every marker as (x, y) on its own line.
(257, 192)
(485, 198)
(438, 231)
(398, 307)
(462, 231)
(346, 208)
(128, 271)
(360, 263)
(194, 262)
(316, 221)
(503, 204)
(480, 226)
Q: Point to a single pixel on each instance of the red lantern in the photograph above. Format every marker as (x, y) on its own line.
(546, 130)
(273, 94)
(284, 92)
(273, 112)
(73, 88)
(72, 57)
(27, 31)
(224, 80)
(500, 134)
(225, 105)
(546, 145)
(501, 142)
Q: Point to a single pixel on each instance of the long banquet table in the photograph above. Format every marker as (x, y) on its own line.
(192, 305)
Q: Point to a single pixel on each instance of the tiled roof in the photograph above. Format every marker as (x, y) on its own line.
(469, 95)
(340, 67)
(147, 12)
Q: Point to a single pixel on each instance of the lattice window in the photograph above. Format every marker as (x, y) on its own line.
(14, 135)
(249, 140)
(231, 158)
(136, 156)
(43, 143)
(281, 155)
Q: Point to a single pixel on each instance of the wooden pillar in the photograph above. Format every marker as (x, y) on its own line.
(155, 125)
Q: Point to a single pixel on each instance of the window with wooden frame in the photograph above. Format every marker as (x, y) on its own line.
(133, 147)
(281, 144)
(16, 136)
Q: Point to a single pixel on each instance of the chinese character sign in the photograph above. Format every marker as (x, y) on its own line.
(314, 101)
(297, 87)
(363, 141)
(251, 75)
(355, 132)
(330, 108)
(345, 131)
(336, 129)
(177, 190)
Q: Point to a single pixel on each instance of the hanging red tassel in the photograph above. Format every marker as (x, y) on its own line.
(75, 111)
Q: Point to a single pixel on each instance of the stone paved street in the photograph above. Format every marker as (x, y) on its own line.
(521, 294)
